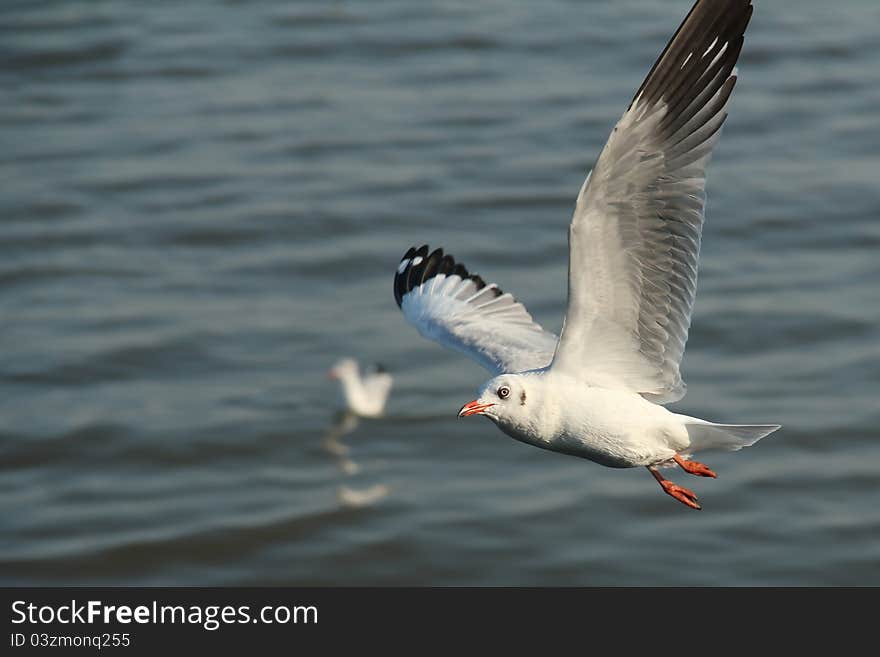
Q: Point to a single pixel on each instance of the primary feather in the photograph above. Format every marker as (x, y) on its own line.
(448, 304)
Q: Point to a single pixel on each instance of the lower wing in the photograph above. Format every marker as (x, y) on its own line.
(459, 310)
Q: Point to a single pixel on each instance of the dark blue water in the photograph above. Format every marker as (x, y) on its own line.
(203, 205)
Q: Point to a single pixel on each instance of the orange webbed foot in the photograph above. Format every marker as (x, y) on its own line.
(694, 467)
(684, 495)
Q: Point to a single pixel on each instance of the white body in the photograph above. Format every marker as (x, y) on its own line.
(613, 428)
(364, 395)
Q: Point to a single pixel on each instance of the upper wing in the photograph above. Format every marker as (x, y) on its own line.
(635, 235)
(459, 310)
(377, 378)
(377, 384)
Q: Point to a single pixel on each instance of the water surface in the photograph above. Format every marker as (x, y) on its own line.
(203, 205)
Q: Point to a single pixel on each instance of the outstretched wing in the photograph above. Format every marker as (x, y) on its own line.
(635, 235)
(459, 310)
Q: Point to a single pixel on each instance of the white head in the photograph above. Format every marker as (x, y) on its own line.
(509, 400)
(347, 368)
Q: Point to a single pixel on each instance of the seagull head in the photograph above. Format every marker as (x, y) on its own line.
(505, 400)
(345, 368)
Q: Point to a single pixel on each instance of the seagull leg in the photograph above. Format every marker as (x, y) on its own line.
(682, 494)
(694, 467)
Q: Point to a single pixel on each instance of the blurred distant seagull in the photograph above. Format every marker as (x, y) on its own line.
(595, 392)
(364, 395)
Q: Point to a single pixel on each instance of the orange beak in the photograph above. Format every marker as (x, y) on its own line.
(473, 408)
(331, 374)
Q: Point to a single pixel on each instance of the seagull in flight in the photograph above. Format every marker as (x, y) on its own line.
(597, 391)
(364, 394)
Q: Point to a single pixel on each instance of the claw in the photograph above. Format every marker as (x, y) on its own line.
(694, 467)
(682, 494)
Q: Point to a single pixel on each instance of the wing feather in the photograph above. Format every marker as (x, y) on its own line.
(448, 304)
(634, 239)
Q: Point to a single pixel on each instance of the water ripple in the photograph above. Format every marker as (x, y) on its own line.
(204, 209)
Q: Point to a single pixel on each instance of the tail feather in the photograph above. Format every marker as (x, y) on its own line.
(731, 437)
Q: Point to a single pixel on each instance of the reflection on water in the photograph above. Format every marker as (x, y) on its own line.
(352, 497)
(344, 423)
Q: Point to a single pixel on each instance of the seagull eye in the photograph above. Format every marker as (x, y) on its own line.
(504, 392)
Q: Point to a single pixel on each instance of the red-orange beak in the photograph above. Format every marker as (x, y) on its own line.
(331, 374)
(473, 408)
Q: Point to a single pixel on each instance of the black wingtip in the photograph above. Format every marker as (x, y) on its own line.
(419, 265)
(691, 51)
(399, 278)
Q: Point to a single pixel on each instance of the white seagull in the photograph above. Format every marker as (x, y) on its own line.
(364, 396)
(596, 391)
